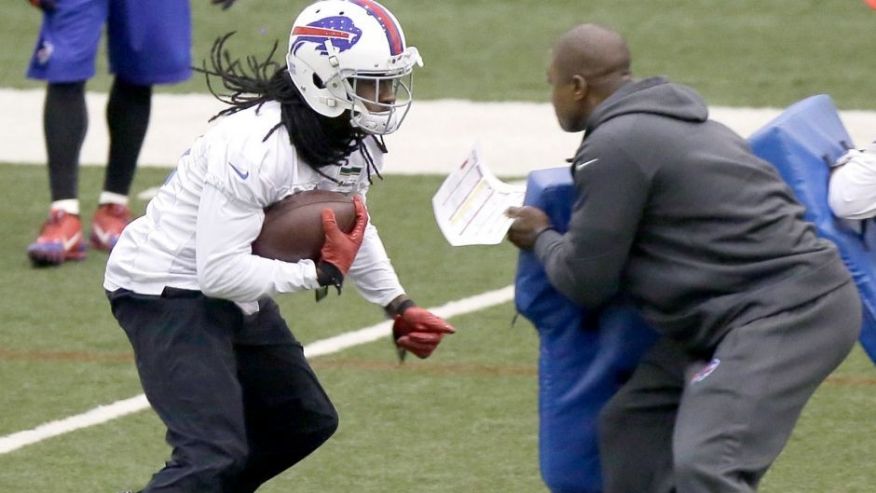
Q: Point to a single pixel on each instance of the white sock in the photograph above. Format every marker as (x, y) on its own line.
(112, 198)
(70, 206)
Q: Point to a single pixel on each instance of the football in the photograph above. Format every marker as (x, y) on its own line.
(293, 230)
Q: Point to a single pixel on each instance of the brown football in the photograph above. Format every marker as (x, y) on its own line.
(292, 229)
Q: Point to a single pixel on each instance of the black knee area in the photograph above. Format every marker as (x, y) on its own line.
(131, 91)
(284, 448)
(320, 427)
(65, 91)
(328, 426)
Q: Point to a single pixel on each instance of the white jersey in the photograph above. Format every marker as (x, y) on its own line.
(198, 231)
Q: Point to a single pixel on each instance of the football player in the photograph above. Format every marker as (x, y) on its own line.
(215, 358)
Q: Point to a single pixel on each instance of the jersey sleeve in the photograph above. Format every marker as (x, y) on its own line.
(587, 262)
(372, 272)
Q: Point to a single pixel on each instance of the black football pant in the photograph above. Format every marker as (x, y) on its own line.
(240, 402)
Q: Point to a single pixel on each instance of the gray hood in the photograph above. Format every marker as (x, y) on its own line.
(654, 95)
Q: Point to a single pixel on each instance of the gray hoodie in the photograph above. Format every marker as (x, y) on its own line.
(675, 211)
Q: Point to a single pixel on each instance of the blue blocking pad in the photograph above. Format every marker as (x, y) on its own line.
(584, 357)
(801, 143)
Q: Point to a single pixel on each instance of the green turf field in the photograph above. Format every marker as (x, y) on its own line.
(410, 428)
(737, 52)
(465, 420)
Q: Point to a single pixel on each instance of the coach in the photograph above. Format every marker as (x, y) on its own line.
(673, 210)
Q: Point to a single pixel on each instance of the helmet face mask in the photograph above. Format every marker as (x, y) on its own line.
(380, 103)
(350, 55)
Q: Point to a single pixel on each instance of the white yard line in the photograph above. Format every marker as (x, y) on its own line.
(96, 416)
(514, 137)
(118, 409)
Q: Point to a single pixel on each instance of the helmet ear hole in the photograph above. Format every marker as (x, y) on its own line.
(317, 81)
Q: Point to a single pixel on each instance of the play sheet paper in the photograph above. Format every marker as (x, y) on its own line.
(470, 205)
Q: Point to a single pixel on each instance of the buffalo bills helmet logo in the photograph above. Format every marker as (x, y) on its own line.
(340, 30)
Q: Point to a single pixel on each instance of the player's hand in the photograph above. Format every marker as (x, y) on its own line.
(44, 5)
(528, 223)
(224, 3)
(419, 331)
(340, 249)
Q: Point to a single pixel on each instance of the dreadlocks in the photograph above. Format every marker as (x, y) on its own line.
(321, 141)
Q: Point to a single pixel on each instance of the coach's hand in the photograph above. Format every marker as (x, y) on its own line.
(340, 249)
(418, 330)
(529, 222)
(44, 5)
(224, 3)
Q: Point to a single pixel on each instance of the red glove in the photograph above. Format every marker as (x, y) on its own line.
(340, 249)
(419, 331)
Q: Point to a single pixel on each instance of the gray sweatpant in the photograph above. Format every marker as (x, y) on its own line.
(692, 426)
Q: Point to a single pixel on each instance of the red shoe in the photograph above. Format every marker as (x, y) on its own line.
(60, 239)
(107, 224)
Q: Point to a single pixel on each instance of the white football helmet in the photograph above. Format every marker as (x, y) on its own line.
(351, 55)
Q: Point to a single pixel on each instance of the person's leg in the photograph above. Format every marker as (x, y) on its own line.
(737, 414)
(65, 122)
(127, 116)
(183, 345)
(149, 43)
(635, 426)
(288, 414)
(64, 57)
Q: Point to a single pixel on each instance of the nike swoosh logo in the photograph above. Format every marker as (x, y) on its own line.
(241, 174)
(70, 242)
(578, 167)
(103, 236)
